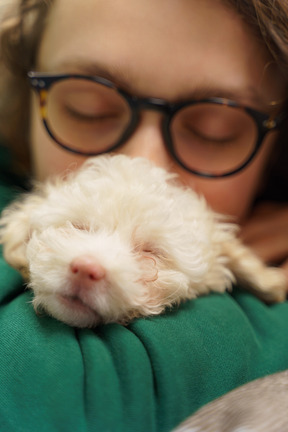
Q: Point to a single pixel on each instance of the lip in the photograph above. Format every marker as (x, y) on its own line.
(74, 302)
(78, 313)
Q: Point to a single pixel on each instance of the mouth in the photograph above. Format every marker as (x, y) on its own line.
(73, 311)
(74, 302)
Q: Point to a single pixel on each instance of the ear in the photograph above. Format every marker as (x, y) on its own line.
(16, 229)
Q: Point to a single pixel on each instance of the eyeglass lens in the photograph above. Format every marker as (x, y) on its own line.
(213, 138)
(89, 117)
(86, 116)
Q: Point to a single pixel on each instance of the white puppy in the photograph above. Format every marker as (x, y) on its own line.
(119, 239)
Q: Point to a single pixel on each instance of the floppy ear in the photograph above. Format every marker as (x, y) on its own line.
(16, 230)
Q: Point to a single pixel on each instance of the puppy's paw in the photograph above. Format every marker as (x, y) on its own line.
(270, 285)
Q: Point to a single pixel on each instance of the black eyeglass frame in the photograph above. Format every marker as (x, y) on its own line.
(265, 123)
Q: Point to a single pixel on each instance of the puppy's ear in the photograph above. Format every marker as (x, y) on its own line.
(16, 229)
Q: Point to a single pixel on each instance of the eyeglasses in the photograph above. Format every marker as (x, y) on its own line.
(89, 115)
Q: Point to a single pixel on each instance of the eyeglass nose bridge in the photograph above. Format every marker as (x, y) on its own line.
(155, 104)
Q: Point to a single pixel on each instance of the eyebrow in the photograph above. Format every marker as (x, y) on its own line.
(247, 96)
(80, 66)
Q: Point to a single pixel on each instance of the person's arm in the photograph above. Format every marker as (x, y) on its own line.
(266, 232)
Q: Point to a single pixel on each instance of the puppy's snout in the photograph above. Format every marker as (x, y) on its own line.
(87, 268)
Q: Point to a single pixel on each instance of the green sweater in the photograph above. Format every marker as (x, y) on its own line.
(146, 377)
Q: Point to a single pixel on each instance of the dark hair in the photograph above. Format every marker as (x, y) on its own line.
(269, 21)
(20, 35)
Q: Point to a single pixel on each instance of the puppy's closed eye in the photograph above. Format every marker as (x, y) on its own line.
(149, 267)
(152, 259)
(78, 225)
(150, 250)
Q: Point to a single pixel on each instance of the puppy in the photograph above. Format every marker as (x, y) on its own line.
(119, 239)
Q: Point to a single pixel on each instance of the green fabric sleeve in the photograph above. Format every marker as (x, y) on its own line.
(148, 376)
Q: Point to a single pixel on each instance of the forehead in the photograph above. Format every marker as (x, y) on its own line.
(163, 48)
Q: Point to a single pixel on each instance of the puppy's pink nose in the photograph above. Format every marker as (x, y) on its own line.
(87, 268)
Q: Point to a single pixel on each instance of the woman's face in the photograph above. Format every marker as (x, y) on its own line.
(169, 49)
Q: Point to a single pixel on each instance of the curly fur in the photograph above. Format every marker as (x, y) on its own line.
(155, 242)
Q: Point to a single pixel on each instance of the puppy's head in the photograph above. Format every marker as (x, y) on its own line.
(109, 243)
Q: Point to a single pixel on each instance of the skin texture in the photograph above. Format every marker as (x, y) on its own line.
(192, 49)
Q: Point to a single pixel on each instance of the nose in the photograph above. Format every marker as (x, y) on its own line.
(147, 140)
(87, 269)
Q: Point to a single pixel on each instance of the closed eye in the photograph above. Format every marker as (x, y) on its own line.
(149, 250)
(79, 226)
(91, 116)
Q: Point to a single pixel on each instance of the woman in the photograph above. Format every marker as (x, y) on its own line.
(196, 88)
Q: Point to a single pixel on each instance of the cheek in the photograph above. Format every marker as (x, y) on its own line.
(47, 157)
(235, 195)
(231, 196)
